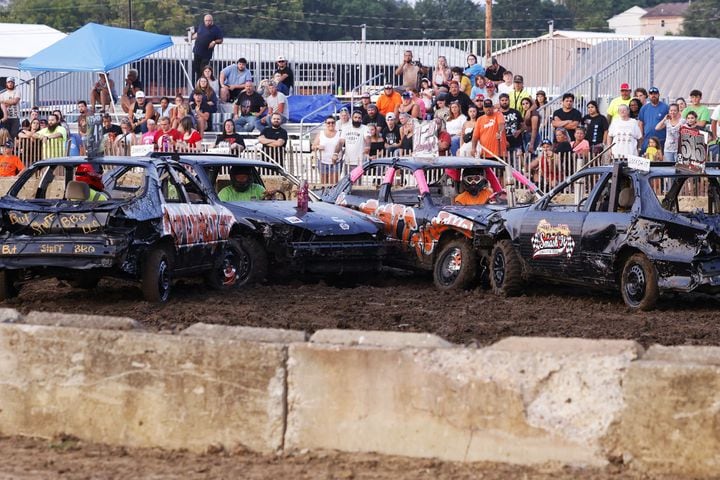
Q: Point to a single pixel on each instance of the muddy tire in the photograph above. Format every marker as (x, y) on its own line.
(224, 276)
(157, 275)
(639, 283)
(7, 285)
(455, 266)
(506, 277)
(253, 265)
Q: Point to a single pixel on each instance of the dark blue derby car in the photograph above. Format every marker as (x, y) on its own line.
(642, 231)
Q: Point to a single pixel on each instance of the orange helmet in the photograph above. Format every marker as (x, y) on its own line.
(87, 173)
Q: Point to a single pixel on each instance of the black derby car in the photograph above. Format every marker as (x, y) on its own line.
(277, 236)
(415, 199)
(615, 227)
(138, 219)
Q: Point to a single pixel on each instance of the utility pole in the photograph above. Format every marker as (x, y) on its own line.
(488, 31)
(129, 13)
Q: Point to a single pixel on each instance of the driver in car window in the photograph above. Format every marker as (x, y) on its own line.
(476, 187)
(86, 173)
(241, 186)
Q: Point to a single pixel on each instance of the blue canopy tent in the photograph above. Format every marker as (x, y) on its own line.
(96, 48)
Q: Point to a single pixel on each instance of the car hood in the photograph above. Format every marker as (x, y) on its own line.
(321, 218)
(476, 213)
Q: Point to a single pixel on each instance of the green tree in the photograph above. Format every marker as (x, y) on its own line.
(702, 19)
(450, 18)
(527, 18)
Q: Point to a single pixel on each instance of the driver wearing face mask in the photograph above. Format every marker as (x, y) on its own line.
(476, 187)
(241, 186)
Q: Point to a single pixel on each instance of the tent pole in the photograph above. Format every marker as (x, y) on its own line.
(110, 92)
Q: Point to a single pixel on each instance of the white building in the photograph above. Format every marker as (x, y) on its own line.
(19, 41)
(662, 19)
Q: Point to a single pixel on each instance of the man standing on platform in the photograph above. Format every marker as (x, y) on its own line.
(206, 37)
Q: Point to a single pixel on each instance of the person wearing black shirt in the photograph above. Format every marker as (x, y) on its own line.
(273, 139)
(567, 117)
(513, 126)
(495, 72)
(230, 138)
(249, 109)
(455, 95)
(109, 127)
(286, 74)
(596, 126)
(206, 37)
(373, 116)
(391, 134)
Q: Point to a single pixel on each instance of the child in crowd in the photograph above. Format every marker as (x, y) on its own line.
(653, 150)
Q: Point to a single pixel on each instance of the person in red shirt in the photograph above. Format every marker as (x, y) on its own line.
(489, 132)
(191, 138)
(166, 136)
(10, 165)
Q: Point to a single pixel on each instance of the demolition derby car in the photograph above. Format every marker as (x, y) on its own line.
(80, 220)
(277, 235)
(643, 231)
(417, 200)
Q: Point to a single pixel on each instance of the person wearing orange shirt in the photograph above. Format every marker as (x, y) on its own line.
(388, 100)
(476, 187)
(490, 132)
(10, 165)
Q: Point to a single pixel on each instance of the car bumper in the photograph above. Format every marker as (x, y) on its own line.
(76, 252)
(336, 256)
(700, 275)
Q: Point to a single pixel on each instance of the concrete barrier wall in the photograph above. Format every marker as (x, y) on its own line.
(521, 400)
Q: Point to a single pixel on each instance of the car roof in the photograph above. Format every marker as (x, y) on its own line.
(130, 161)
(415, 163)
(211, 160)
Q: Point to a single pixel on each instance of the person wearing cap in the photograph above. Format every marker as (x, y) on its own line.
(207, 36)
(488, 140)
(132, 86)
(140, 112)
(391, 134)
(373, 116)
(456, 95)
(702, 112)
(650, 114)
(518, 93)
(623, 99)
(287, 77)
(409, 70)
(408, 106)
(233, 80)
(10, 165)
(103, 91)
(491, 92)
(494, 72)
(364, 103)
(9, 103)
(388, 100)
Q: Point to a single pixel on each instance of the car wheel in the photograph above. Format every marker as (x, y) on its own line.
(225, 274)
(505, 270)
(639, 283)
(253, 265)
(157, 275)
(455, 266)
(7, 285)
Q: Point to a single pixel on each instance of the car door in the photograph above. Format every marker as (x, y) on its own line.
(607, 225)
(550, 230)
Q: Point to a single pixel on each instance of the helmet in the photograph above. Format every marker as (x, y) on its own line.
(87, 173)
(474, 180)
(241, 178)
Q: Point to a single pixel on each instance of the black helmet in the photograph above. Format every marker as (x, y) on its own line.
(241, 178)
(474, 180)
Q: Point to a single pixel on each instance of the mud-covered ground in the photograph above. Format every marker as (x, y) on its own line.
(69, 459)
(393, 301)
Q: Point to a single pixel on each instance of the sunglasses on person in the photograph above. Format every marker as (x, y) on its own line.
(330, 123)
(473, 179)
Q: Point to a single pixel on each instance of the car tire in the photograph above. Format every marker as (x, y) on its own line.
(224, 276)
(506, 277)
(157, 275)
(7, 285)
(639, 283)
(455, 266)
(253, 268)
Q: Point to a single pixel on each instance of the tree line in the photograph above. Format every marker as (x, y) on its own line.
(332, 20)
